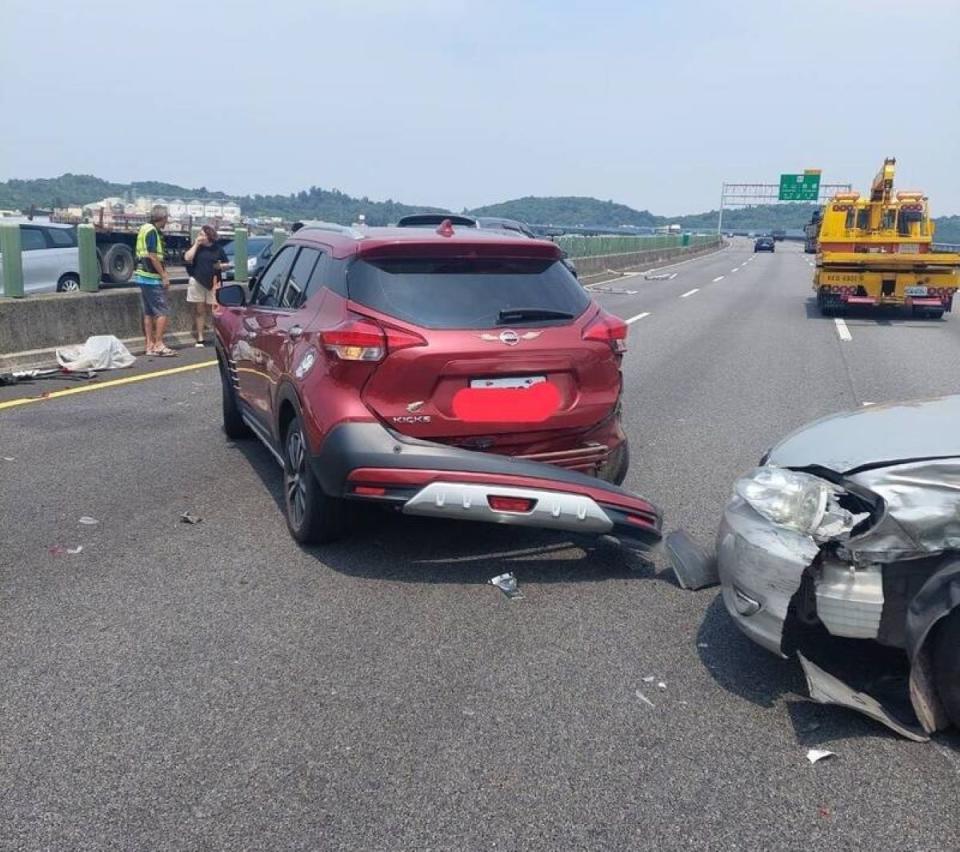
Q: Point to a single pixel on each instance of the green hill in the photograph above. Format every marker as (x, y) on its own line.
(336, 206)
(570, 211)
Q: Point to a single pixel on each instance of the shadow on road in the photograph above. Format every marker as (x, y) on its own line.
(385, 545)
(883, 316)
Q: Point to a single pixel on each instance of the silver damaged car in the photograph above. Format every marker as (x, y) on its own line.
(852, 525)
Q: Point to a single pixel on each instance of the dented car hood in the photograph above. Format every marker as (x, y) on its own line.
(875, 435)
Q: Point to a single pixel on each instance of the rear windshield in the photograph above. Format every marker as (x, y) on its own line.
(465, 293)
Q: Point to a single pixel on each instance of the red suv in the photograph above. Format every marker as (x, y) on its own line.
(452, 373)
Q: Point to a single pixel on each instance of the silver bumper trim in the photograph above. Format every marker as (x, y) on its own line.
(553, 510)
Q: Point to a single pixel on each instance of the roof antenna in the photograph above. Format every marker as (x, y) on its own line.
(446, 228)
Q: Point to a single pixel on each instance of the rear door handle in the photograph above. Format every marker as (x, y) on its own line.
(295, 332)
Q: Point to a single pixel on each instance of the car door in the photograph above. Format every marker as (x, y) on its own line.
(63, 251)
(259, 316)
(283, 339)
(37, 268)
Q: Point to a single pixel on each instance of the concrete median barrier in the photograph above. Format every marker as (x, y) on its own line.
(33, 327)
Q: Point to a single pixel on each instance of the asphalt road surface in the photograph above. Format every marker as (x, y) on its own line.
(176, 686)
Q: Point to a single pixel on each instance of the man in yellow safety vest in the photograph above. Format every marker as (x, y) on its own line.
(154, 282)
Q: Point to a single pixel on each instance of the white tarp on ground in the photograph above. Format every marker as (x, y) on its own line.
(102, 352)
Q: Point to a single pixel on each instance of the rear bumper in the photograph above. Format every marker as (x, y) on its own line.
(367, 461)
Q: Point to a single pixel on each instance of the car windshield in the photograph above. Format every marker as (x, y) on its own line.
(468, 293)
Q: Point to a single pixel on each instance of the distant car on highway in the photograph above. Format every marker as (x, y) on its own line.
(453, 373)
(779, 235)
(849, 527)
(764, 244)
(50, 257)
(259, 251)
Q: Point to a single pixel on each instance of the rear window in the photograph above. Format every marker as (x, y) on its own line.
(465, 293)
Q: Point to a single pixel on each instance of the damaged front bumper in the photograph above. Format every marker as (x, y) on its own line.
(888, 578)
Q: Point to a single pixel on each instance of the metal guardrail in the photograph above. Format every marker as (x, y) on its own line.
(579, 247)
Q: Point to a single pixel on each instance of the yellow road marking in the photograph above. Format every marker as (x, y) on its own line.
(13, 403)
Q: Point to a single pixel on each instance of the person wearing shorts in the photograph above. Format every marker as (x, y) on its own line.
(204, 260)
(154, 282)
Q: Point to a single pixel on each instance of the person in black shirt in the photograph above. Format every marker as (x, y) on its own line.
(204, 261)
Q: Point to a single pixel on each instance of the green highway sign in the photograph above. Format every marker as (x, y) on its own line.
(805, 187)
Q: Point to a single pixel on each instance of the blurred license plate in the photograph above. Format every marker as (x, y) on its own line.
(916, 291)
(508, 382)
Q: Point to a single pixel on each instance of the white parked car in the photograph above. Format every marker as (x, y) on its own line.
(51, 259)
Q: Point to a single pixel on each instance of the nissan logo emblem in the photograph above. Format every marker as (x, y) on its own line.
(511, 338)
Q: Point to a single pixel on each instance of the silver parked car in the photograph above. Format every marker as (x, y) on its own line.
(51, 259)
(851, 527)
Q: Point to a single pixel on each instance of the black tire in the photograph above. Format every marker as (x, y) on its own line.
(312, 516)
(233, 425)
(928, 313)
(118, 263)
(946, 665)
(68, 283)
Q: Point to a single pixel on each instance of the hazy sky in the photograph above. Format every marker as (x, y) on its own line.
(458, 103)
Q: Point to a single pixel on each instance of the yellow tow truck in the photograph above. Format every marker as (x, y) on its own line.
(879, 251)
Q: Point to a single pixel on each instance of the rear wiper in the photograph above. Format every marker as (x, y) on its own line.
(521, 314)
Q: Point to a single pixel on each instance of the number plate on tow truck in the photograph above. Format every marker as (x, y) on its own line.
(915, 291)
(508, 382)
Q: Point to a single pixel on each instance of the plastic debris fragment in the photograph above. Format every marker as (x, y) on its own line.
(644, 699)
(188, 518)
(661, 685)
(649, 679)
(507, 584)
(73, 551)
(87, 521)
(815, 755)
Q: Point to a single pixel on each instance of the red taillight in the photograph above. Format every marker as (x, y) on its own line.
(511, 504)
(610, 329)
(355, 340)
(361, 339)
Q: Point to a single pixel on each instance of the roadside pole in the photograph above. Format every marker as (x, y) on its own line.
(10, 248)
(240, 274)
(279, 237)
(89, 265)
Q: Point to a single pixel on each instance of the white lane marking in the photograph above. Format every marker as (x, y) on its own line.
(842, 329)
(735, 269)
(690, 292)
(718, 278)
(637, 317)
(869, 403)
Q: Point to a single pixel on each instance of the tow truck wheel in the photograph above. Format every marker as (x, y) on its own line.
(312, 516)
(946, 665)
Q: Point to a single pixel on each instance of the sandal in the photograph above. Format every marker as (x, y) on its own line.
(164, 352)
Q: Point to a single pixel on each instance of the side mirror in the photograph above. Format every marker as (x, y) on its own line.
(232, 296)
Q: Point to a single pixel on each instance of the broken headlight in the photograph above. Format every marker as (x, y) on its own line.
(797, 501)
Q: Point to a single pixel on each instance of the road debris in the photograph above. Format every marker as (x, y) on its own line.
(661, 685)
(61, 550)
(507, 584)
(815, 755)
(9, 458)
(644, 699)
(649, 679)
(660, 276)
(188, 518)
(23, 376)
(87, 521)
(692, 566)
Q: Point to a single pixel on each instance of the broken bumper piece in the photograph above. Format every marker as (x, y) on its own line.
(366, 461)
